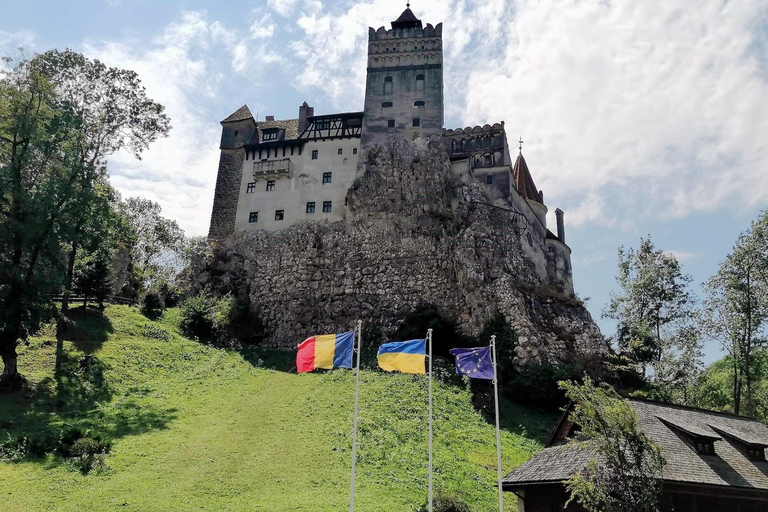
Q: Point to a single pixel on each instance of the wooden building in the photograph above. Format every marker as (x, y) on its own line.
(715, 462)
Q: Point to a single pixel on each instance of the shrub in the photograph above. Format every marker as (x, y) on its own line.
(446, 503)
(197, 319)
(153, 305)
(155, 333)
(536, 385)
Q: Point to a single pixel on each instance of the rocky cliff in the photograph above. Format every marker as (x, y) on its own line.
(414, 235)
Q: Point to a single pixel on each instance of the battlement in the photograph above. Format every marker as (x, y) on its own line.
(382, 33)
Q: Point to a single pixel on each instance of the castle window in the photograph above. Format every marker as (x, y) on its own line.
(327, 176)
(323, 125)
(314, 154)
(391, 123)
(419, 103)
(251, 188)
(270, 185)
(279, 214)
(354, 151)
(453, 145)
(388, 82)
(489, 179)
(488, 160)
(235, 133)
(388, 79)
(311, 207)
(253, 217)
(420, 83)
(386, 104)
(269, 134)
(341, 151)
(327, 206)
(416, 121)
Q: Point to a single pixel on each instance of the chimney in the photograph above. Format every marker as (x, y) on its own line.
(270, 118)
(560, 224)
(305, 111)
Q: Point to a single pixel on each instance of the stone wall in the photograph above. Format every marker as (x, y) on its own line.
(227, 191)
(414, 234)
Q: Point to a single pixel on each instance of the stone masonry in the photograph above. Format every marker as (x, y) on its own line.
(415, 234)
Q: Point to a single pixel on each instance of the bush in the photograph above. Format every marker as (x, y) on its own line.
(153, 305)
(197, 316)
(155, 333)
(213, 320)
(536, 385)
(446, 503)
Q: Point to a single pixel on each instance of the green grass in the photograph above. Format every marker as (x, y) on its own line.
(200, 428)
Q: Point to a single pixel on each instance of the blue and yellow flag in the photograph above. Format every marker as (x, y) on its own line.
(403, 356)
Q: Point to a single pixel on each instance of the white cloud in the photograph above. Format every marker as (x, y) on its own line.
(683, 256)
(631, 110)
(10, 42)
(180, 70)
(263, 28)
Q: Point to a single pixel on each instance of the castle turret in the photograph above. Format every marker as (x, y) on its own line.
(527, 188)
(404, 86)
(236, 131)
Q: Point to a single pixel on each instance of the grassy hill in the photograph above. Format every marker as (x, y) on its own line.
(199, 428)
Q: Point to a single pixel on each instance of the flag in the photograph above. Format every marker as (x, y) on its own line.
(328, 351)
(475, 363)
(403, 356)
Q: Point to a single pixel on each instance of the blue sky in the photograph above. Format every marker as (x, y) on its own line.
(639, 117)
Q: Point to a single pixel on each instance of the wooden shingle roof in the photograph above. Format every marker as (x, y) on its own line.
(728, 467)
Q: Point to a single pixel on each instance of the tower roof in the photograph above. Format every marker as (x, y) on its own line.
(524, 181)
(240, 114)
(407, 20)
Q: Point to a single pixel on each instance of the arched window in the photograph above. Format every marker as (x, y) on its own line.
(419, 103)
(453, 145)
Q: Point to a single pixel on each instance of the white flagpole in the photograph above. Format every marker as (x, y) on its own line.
(498, 431)
(359, 333)
(429, 339)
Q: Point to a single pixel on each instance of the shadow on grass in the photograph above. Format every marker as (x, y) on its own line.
(44, 412)
(87, 329)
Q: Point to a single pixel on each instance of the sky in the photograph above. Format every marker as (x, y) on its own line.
(639, 118)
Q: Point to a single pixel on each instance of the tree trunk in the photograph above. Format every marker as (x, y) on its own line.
(10, 360)
(70, 278)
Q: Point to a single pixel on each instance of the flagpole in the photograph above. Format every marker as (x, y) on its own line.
(359, 330)
(429, 338)
(498, 431)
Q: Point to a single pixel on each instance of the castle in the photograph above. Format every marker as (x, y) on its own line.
(274, 174)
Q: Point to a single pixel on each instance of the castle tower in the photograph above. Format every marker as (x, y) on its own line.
(404, 86)
(236, 131)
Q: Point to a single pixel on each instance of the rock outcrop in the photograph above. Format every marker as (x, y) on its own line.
(414, 235)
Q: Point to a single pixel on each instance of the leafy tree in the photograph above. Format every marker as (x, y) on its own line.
(624, 475)
(60, 115)
(93, 276)
(736, 310)
(652, 305)
(158, 251)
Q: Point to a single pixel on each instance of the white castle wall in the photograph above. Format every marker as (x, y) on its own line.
(303, 184)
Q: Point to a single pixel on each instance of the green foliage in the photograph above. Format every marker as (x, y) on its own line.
(93, 275)
(446, 503)
(211, 319)
(153, 305)
(181, 414)
(624, 475)
(736, 310)
(61, 115)
(156, 333)
(537, 385)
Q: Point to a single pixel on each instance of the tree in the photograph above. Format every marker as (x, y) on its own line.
(159, 247)
(60, 115)
(625, 473)
(654, 299)
(736, 309)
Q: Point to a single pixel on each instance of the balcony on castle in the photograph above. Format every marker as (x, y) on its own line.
(271, 169)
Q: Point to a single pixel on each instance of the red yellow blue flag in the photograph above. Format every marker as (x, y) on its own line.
(328, 351)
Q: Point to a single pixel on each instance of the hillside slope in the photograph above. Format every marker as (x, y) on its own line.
(200, 428)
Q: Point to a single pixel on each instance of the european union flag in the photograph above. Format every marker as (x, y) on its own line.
(475, 363)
